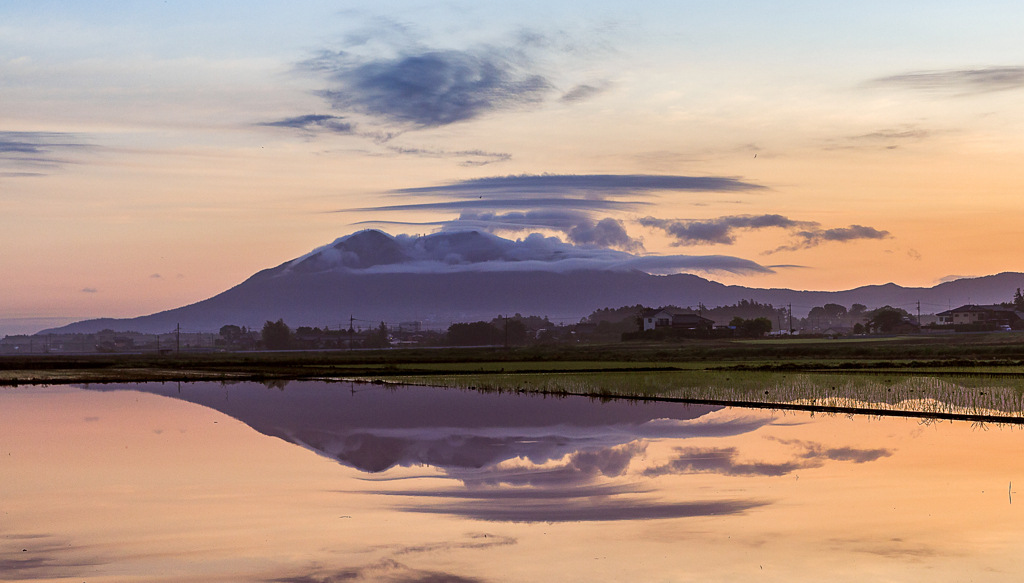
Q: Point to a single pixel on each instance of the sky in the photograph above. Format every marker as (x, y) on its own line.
(153, 154)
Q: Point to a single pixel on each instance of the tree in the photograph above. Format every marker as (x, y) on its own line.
(858, 309)
(230, 332)
(1018, 301)
(515, 332)
(377, 338)
(277, 335)
(885, 320)
(474, 334)
(754, 328)
(858, 328)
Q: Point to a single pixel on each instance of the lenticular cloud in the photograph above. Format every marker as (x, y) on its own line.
(373, 251)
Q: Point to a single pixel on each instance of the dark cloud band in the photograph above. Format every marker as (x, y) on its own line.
(721, 230)
(429, 88)
(530, 185)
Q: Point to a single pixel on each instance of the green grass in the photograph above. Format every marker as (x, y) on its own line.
(966, 395)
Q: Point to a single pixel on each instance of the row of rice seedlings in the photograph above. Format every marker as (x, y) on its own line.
(948, 395)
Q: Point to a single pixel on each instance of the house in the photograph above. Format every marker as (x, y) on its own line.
(985, 315)
(837, 331)
(676, 319)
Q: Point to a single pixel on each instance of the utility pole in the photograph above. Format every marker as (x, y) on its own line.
(177, 339)
(918, 315)
(506, 330)
(790, 319)
(351, 330)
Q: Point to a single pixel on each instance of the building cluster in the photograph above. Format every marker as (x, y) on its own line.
(603, 326)
(981, 317)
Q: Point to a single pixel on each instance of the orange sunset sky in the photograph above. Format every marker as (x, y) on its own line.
(153, 154)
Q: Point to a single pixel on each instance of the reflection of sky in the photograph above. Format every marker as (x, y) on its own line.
(123, 485)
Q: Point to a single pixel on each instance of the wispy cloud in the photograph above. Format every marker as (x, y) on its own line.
(960, 81)
(471, 157)
(583, 92)
(34, 153)
(314, 123)
(813, 238)
(721, 230)
(89, 290)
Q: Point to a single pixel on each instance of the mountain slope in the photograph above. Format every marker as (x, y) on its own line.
(471, 276)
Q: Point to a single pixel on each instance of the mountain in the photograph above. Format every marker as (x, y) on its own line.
(373, 429)
(468, 276)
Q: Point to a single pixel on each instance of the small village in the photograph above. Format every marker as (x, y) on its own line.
(745, 319)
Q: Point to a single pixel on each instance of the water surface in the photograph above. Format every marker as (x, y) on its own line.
(315, 482)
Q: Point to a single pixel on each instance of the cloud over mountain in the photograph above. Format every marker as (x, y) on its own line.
(372, 251)
(576, 205)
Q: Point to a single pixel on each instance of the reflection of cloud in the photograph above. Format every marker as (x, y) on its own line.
(582, 467)
(42, 556)
(720, 461)
(587, 510)
(574, 491)
(892, 548)
(477, 541)
(388, 568)
(814, 450)
(723, 460)
(957, 80)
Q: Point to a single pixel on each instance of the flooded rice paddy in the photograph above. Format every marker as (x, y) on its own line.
(310, 482)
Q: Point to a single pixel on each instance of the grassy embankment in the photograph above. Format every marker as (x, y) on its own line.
(948, 375)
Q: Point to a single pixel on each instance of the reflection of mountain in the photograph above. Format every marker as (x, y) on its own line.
(520, 458)
(466, 276)
(374, 429)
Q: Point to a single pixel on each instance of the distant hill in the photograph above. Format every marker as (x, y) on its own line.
(472, 276)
